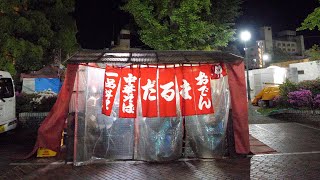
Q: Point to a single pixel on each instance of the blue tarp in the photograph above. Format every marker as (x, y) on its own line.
(42, 84)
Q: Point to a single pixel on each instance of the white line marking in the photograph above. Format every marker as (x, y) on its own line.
(39, 164)
(280, 154)
(308, 126)
(264, 129)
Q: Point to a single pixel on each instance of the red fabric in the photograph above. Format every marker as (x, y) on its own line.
(148, 89)
(50, 131)
(185, 85)
(224, 69)
(237, 86)
(111, 81)
(202, 89)
(129, 93)
(167, 92)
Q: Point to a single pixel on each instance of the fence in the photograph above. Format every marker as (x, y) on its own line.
(31, 119)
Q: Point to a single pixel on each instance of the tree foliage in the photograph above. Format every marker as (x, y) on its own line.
(314, 52)
(32, 29)
(280, 56)
(312, 21)
(184, 24)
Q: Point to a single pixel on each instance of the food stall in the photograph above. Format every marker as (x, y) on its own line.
(150, 105)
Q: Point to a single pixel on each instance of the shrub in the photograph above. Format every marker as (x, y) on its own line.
(304, 94)
(286, 88)
(281, 102)
(37, 102)
(301, 98)
(316, 101)
(23, 102)
(312, 85)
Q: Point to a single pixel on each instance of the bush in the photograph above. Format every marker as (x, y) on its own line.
(287, 87)
(317, 101)
(301, 95)
(37, 102)
(312, 85)
(23, 102)
(280, 101)
(301, 98)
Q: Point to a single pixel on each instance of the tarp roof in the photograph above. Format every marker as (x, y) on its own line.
(45, 72)
(151, 56)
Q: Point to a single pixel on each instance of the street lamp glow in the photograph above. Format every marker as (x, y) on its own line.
(245, 36)
(265, 57)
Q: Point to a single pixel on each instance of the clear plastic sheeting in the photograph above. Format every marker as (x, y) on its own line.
(98, 136)
(205, 134)
(159, 139)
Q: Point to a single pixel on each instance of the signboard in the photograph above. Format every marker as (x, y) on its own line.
(161, 89)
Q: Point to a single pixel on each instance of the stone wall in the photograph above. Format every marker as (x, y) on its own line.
(309, 117)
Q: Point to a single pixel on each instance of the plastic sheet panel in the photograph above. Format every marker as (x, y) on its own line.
(98, 136)
(205, 134)
(158, 139)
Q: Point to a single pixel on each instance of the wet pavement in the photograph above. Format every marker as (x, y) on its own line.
(294, 166)
(287, 137)
(12, 144)
(297, 157)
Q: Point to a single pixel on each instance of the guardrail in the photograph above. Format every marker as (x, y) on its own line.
(31, 119)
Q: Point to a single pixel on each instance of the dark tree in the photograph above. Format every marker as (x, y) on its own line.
(184, 24)
(33, 31)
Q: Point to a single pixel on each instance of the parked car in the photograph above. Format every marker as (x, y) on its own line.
(8, 119)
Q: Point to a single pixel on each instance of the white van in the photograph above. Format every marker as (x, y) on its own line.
(8, 118)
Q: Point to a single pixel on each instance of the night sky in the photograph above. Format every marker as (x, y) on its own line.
(280, 15)
(99, 21)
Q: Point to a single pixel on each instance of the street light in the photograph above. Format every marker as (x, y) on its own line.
(265, 57)
(246, 36)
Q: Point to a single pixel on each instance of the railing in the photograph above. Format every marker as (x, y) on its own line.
(31, 119)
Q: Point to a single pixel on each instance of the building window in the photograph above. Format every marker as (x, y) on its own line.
(294, 50)
(283, 44)
(292, 45)
(279, 44)
(289, 49)
(301, 72)
(288, 44)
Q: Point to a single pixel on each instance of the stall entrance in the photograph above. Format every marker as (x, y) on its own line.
(149, 105)
(151, 134)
